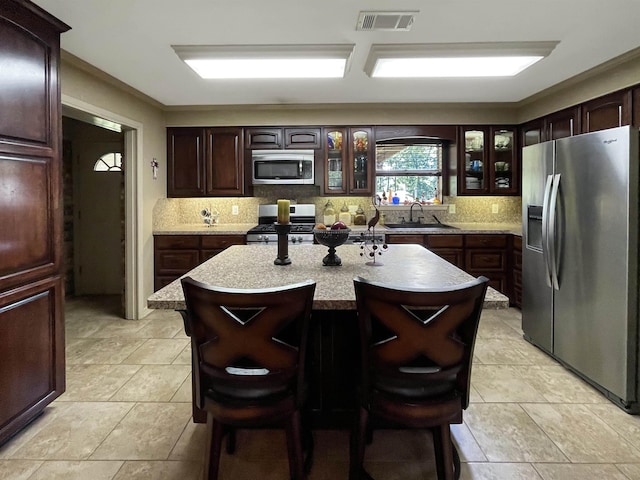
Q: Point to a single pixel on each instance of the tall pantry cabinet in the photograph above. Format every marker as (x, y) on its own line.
(31, 273)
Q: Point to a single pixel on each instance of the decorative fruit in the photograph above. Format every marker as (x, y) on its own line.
(321, 226)
(339, 226)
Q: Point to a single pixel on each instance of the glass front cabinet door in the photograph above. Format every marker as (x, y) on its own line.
(488, 161)
(362, 161)
(504, 167)
(349, 161)
(335, 146)
(473, 180)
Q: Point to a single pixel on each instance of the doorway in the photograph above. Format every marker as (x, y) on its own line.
(94, 209)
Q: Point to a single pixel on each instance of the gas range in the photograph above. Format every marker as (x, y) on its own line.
(302, 217)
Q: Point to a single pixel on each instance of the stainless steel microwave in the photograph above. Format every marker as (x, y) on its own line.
(282, 167)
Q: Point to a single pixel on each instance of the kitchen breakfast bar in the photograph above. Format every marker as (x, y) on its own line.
(334, 348)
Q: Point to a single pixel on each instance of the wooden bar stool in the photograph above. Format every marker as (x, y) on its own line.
(250, 351)
(416, 350)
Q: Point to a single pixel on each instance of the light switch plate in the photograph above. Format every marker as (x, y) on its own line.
(234, 210)
(494, 208)
(452, 208)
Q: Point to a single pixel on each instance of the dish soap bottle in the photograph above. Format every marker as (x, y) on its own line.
(329, 214)
(360, 218)
(344, 215)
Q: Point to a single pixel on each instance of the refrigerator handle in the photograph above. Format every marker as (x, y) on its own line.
(552, 231)
(545, 229)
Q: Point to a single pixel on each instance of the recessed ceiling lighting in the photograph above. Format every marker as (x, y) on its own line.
(455, 60)
(266, 61)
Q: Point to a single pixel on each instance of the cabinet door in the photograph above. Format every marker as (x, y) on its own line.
(225, 162)
(335, 160)
(635, 120)
(302, 138)
(503, 161)
(531, 132)
(564, 123)
(362, 160)
(410, 238)
(185, 162)
(263, 138)
(472, 161)
(610, 111)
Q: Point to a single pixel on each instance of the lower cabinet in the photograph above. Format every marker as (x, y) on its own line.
(32, 369)
(516, 269)
(476, 254)
(175, 255)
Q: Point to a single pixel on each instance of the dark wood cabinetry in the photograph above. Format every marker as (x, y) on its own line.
(349, 161)
(532, 132)
(564, 123)
(613, 110)
(205, 162)
(489, 162)
(477, 255)
(516, 269)
(175, 255)
(258, 138)
(32, 367)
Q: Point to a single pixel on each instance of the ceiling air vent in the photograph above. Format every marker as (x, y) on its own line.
(398, 21)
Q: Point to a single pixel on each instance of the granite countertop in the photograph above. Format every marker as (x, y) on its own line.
(243, 228)
(251, 266)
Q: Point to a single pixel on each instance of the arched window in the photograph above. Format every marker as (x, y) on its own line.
(109, 162)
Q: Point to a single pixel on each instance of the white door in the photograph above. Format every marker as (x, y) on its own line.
(99, 262)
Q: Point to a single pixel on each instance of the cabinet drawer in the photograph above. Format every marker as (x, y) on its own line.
(263, 138)
(517, 242)
(176, 261)
(451, 255)
(479, 260)
(220, 242)
(176, 241)
(444, 241)
(408, 238)
(486, 241)
(517, 261)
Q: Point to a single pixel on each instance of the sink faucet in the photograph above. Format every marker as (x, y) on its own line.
(411, 210)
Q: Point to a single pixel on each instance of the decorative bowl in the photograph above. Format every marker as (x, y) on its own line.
(332, 239)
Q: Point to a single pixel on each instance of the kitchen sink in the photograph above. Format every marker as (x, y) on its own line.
(417, 225)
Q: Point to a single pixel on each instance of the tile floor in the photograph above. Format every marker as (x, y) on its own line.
(126, 415)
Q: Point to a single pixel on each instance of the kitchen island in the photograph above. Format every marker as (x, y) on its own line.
(334, 349)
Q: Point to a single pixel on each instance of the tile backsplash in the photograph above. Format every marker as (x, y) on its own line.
(175, 211)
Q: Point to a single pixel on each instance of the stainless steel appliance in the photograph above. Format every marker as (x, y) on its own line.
(580, 257)
(302, 217)
(282, 167)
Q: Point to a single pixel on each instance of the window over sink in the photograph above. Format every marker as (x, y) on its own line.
(410, 168)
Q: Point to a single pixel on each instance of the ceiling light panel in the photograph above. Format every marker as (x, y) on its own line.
(266, 61)
(454, 60)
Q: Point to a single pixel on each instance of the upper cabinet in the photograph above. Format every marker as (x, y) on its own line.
(488, 161)
(564, 123)
(205, 162)
(532, 132)
(610, 111)
(278, 138)
(349, 160)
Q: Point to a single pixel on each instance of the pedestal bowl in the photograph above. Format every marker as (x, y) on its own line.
(331, 239)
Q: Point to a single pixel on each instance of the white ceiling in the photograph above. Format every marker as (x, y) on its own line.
(131, 40)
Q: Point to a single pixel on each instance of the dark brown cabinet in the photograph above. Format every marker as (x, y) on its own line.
(32, 362)
(613, 110)
(258, 138)
(531, 132)
(516, 269)
(487, 255)
(489, 161)
(349, 161)
(205, 162)
(477, 255)
(175, 255)
(564, 123)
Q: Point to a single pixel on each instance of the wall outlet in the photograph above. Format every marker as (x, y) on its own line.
(494, 208)
(452, 208)
(234, 210)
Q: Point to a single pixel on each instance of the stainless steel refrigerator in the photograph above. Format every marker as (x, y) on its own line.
(580, 256)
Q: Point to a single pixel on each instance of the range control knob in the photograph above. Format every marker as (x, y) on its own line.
(299, 239)
(293, 239)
